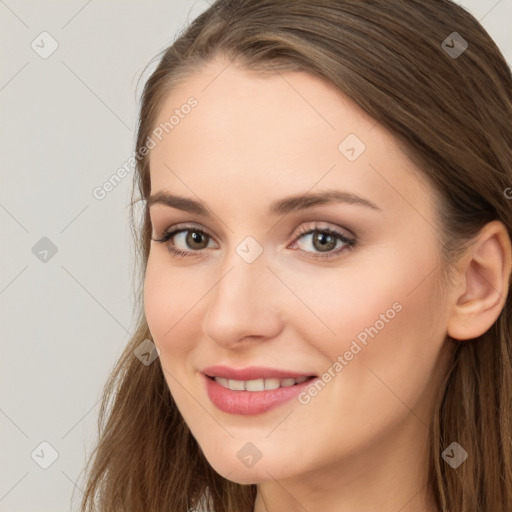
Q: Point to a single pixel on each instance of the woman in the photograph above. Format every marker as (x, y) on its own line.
(326, 264)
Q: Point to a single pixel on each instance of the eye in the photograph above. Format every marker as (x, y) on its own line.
(190, 238)
(323, 240)
(190, 241)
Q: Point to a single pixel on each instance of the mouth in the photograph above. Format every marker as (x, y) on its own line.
(259, 384)
(253, 390)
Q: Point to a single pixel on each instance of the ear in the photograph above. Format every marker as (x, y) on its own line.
(483, 280)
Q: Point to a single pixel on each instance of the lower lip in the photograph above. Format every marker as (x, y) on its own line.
(251, 402)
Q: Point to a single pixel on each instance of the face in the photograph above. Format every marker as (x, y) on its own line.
(337, 289)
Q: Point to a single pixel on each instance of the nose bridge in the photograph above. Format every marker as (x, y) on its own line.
(242, 302)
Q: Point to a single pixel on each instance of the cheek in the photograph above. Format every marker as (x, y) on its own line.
(389, 333)
(333, 306)
(167, 298)
(388, 295)
(157, 301)
(383, 309)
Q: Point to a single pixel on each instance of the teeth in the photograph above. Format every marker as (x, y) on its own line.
(222, 382)
(258, 384)
(236, 385)
(253, 385)
(271, 383)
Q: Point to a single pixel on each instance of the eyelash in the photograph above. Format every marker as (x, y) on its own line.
(350, 243)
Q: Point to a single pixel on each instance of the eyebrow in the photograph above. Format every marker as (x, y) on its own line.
(279, 207)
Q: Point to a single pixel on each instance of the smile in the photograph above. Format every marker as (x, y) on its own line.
(258, 384)
(253, 395)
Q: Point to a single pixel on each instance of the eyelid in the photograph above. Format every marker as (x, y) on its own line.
(296, 232)
(349, 241)
(320, 226)
(184, 226)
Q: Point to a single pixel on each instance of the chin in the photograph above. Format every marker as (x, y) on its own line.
(236, 471)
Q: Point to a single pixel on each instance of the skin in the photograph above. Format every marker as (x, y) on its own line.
(361, 443)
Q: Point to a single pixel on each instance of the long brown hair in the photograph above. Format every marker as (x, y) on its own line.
(452, 114)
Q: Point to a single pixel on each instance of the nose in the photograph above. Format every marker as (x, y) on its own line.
(244, 304)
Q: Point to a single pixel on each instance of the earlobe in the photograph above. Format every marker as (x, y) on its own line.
(484, 280)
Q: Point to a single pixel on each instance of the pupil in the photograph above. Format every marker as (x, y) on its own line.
(325, 240)
(194, 238)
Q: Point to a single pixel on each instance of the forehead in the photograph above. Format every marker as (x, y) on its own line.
(261, 106)
(275, 133)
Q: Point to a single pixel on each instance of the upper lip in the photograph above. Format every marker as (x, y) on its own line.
(252, 373)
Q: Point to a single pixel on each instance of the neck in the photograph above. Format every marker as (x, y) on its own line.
(384, 479)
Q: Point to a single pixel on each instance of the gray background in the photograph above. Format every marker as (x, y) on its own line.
(68, 123)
